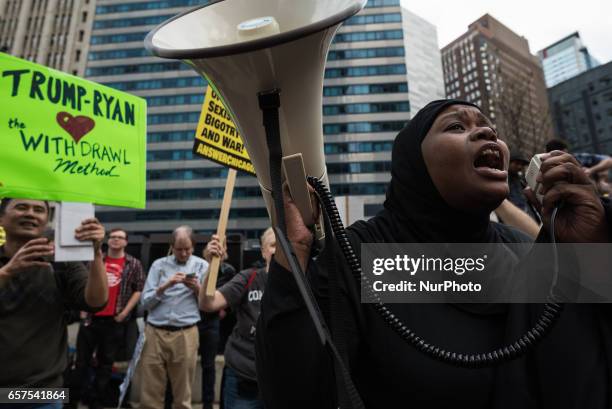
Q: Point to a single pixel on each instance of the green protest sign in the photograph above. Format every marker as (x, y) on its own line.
(68, 139)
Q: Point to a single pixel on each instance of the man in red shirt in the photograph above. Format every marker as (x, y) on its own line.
(105, 331)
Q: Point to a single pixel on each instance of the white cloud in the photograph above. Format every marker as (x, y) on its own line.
(542, 22)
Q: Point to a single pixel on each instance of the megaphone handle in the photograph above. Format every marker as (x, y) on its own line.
(269, 102)
(295, 174)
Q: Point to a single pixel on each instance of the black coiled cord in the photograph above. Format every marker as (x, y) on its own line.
(532, 337)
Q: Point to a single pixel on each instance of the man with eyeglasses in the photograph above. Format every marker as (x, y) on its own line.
(170, 296)
(105, 331)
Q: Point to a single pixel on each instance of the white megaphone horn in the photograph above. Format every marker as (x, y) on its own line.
(244, 47)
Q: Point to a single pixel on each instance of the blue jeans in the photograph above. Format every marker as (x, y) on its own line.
(209, 343)
(240, 393)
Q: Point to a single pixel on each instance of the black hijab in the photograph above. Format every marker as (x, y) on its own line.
(414, 207)
(571, 368)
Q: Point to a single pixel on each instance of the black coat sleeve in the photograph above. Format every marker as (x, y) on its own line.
(293, 368)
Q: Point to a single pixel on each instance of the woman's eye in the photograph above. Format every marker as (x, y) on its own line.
(455, 127)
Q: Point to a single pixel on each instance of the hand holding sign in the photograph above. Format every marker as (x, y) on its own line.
(217, 138)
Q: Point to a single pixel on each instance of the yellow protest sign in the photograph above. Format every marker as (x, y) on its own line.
(217, 137)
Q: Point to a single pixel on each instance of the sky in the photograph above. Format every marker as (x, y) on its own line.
(542, 22)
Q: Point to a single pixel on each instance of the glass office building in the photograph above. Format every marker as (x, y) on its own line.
(565, 59)
(384, 65)
(582, 110)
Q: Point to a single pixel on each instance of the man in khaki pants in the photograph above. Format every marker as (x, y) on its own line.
(170, 296)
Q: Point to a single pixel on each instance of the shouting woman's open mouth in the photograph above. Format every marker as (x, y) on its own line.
(489, 162)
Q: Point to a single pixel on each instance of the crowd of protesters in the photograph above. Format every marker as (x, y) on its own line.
(38, 295)
(181, 320)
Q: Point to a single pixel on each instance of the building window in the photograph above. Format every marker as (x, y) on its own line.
(366, 108)
(369, 36)
(158, 84)
(119, 54)
(363, 127)
(362, 89)
(374, 19)
(371, 70)
(118, 38)
(150, 5)
(137, 68)
(173, 118)
(130, 22)
(382, 3)
(365, 53)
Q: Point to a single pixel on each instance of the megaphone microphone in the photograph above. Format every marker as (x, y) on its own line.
(247, 48)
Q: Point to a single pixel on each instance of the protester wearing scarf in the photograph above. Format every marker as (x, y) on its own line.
(571, 368)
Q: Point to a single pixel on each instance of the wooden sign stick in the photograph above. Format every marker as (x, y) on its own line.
(225, 208)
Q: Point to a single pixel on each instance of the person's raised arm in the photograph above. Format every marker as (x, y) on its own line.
(298, 234)
(291, 361)
(581, 215)
(515, 217)
(211, 304)
(217, 302)
(603, 165)
(28, 256)
(96, 289)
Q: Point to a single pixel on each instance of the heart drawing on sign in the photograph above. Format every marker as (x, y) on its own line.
(76, 126)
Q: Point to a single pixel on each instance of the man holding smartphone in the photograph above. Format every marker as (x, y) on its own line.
(170, 296)
(35, 294)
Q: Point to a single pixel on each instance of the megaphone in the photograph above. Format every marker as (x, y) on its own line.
(244, 47)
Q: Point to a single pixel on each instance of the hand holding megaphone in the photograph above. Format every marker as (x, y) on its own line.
(581, 217)
(298, 233)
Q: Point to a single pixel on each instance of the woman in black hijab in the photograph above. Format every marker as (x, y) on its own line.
(449, 171)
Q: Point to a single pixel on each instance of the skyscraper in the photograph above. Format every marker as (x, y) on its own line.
(582, 110)
(492, 66)
(54, 33)
(384, 65)
(565, 59)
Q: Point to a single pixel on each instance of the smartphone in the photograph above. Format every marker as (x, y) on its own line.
(49, 234)
(190, 276)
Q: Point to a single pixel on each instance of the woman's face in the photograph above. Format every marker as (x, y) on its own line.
(466, 161)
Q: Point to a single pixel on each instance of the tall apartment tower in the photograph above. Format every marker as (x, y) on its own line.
(582, 110)
(54, 33)
(492, 66)
(565, 59)
(383, 66)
